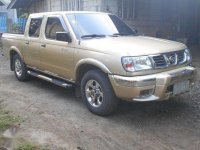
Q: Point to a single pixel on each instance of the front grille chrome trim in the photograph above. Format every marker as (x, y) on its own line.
(165, 60)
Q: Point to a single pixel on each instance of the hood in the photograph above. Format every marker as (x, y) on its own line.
(131, 45)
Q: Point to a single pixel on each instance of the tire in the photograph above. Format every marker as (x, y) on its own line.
(97, 93)
(20, 69)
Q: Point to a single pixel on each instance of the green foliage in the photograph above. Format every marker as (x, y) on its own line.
(15, 27)
(26, 146)
(6, 119)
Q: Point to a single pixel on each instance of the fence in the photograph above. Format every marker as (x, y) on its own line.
(3, 24)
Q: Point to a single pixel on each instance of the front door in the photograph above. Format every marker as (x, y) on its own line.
(56, 56)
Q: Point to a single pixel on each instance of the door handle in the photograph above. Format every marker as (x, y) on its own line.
(26, 43)
(43, 45)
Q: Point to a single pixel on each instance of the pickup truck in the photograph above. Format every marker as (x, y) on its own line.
(101, 56)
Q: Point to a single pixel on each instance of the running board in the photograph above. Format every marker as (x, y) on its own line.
(51, 80)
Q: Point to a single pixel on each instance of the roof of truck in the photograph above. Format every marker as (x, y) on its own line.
(66, 12)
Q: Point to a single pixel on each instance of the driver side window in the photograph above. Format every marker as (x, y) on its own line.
(53, 26)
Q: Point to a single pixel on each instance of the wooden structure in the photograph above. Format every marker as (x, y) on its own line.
(170, 19)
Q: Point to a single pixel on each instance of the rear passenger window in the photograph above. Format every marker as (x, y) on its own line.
(35, 25)
(53, 26)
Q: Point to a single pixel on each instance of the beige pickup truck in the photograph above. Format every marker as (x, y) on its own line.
(101, 56)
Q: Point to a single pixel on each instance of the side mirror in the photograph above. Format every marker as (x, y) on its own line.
(63, 36)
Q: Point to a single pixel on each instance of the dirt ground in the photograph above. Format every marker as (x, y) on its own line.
(54, 117)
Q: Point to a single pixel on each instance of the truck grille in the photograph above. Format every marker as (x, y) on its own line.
(169, 59)
(181, 57)
(159, 61)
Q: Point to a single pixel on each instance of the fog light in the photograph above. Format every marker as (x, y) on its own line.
(146, 93)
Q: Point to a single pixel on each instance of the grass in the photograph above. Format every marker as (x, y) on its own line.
(6, 119)
(26, 146)
(29, 146)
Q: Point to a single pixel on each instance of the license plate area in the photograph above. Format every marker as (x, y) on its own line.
(181, 87)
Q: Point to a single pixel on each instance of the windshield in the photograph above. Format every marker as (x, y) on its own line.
(98, 25)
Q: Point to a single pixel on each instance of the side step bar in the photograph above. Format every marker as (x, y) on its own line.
(49, 79)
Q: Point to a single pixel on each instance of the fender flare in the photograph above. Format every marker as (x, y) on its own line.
(90, 61)
(15, 49)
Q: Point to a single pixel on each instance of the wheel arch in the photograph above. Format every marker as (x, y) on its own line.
(85, 65)
(12, 52)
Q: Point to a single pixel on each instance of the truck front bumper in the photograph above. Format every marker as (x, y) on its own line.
(153, 87)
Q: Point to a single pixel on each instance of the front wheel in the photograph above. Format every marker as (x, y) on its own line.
(20, 69)
(97, 93)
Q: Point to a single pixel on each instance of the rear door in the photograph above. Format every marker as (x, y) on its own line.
(56, 56)
(33, 42)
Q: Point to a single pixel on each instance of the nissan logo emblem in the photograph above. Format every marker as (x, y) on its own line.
(172, 59)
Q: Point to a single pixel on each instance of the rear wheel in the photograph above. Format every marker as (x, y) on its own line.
(20, 69)
(97, 93)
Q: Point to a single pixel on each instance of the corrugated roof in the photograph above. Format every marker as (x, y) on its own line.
(20, 4)
(4, 2)
(1, 4)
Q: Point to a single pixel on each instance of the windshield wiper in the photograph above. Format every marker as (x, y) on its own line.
(121, 34)
(93, 36)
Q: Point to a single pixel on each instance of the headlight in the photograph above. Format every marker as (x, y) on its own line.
(188, 55)
(132, 64)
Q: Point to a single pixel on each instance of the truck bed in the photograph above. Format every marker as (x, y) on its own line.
(9, 40)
